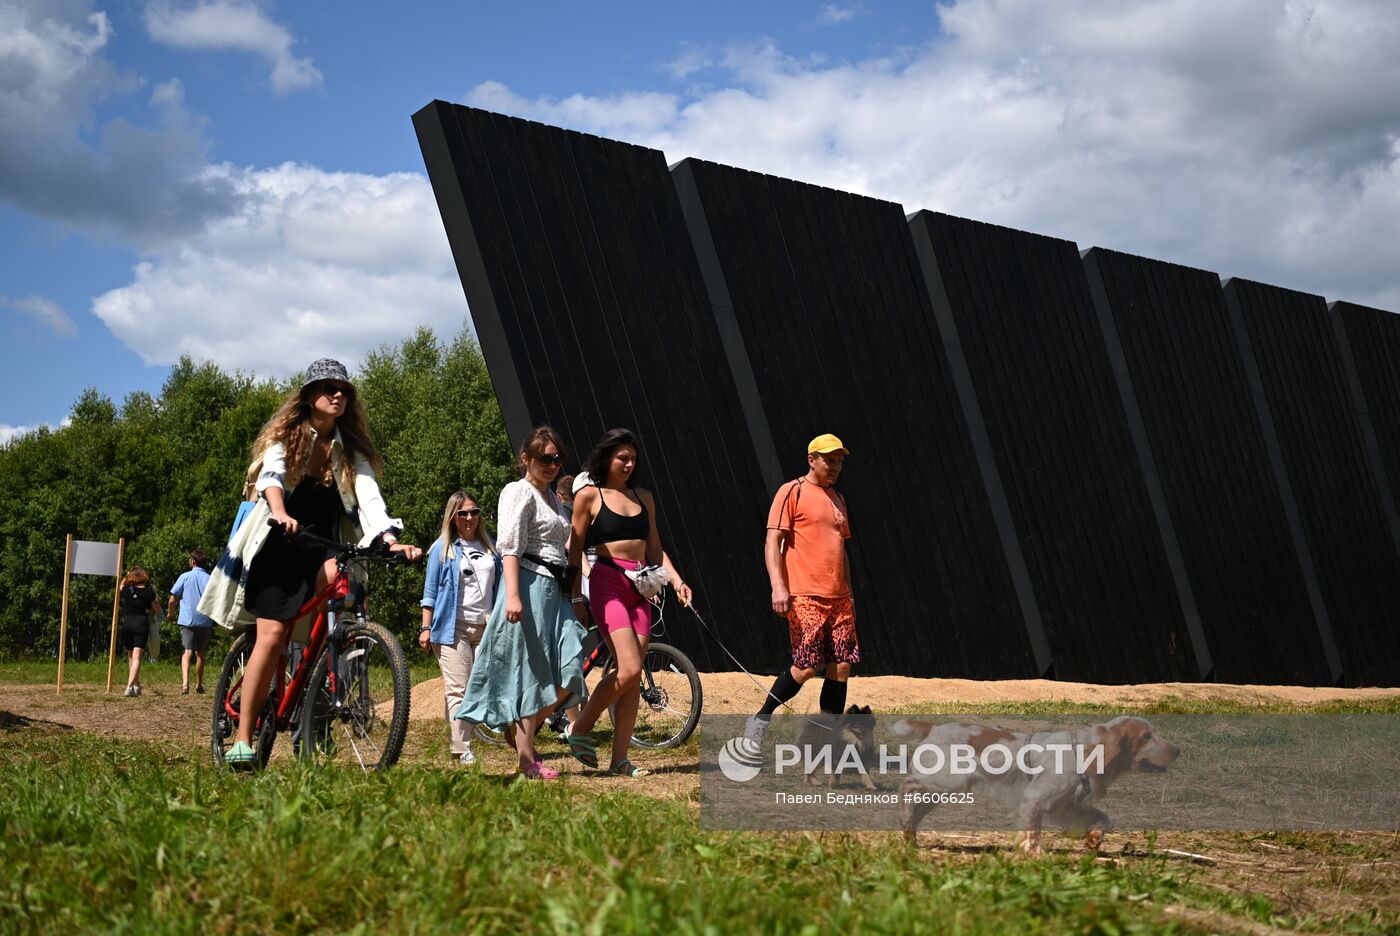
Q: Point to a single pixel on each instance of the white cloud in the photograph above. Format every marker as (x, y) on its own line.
(9, 433)
(260, 269)
(833, 13)
(691, 60)
(169, 94)
(57, 161)
(236, 25)
(621, 116)
(314, 264)
(1255, 138)
(44, 311)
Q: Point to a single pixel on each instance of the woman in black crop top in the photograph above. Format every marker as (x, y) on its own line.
(617, 520)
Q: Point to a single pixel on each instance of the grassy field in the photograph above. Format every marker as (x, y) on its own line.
(132, 835)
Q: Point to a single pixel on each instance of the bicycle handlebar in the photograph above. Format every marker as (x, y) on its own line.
(344, 551)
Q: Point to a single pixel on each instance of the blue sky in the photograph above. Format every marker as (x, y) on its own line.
(239, 180)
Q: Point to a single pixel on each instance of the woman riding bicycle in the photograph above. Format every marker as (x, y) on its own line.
(314, 466)
(619, 521)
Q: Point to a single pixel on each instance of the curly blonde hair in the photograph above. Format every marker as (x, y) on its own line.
(291, 425)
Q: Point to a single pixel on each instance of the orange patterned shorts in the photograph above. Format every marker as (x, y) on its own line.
(823, 630)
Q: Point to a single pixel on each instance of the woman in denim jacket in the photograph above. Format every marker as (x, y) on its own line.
(458, 594)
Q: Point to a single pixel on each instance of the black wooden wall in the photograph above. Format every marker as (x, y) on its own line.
(824, 288)
(1106, 468)
(590, 309)
(1353, 548)
(1208, 449)
(1043, 382)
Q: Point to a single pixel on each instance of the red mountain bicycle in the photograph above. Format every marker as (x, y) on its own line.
(344, 694)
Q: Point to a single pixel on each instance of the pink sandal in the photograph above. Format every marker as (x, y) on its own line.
(538, 771)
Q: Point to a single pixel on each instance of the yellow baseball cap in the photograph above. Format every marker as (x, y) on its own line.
(826, 444)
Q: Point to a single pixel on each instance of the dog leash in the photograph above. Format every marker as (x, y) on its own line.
(761, 688)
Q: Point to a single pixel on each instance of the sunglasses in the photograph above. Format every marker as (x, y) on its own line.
(469, 512)
(555, 460)
(331, 389)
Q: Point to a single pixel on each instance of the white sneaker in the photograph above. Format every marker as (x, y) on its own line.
(467, 759)
(755, 728)
(129, 692)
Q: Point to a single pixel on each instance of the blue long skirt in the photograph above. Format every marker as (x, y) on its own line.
(518, 665)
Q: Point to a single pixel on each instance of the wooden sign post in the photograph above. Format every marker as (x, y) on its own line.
(63, 619)
(83, 558)
(116, 607)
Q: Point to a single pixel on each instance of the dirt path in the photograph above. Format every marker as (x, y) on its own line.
(736, 694)
(163, 714)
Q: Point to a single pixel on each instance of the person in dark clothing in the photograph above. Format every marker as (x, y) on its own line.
(138, 599)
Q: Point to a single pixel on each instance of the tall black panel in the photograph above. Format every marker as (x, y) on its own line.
(1216, 475)
(585, 292)
(1110, 470)
(1372, 339)
(837, 332)
(1306, 385)
(1021, 308)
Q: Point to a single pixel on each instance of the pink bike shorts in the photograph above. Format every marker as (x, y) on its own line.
(614, 602)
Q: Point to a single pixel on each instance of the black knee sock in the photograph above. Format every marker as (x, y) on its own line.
(833, 697)
(784, 688)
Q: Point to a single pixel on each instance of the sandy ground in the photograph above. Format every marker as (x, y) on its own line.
(166, 715)
(736, 693)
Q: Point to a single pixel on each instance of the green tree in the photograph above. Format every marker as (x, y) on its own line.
(166, 472)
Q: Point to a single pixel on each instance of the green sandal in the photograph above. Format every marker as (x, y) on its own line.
(629, 770)
(241, 756)
(582, 748)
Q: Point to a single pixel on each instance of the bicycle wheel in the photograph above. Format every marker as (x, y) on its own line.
(356, 708)
(227, 702)
(489, 735)
(671, 696)
(492, 736)
(554, 722)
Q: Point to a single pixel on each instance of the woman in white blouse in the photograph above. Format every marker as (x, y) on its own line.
(530, 658)
(458, 594)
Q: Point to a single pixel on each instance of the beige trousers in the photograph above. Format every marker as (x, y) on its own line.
(455, 660)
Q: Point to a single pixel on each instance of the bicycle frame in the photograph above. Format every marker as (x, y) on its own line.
(289, 694)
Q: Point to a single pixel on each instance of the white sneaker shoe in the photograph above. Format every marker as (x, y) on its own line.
(467, 759)
(755, 728)
(129, 692)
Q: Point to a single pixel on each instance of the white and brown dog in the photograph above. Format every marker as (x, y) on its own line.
(1067, 797)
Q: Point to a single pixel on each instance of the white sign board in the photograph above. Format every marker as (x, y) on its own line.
(95, 558)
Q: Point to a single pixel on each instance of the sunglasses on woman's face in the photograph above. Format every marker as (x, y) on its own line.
(331, 389)
(468, 513)
(554, 460)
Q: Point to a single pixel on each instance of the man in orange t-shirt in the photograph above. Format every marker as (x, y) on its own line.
(805, 551)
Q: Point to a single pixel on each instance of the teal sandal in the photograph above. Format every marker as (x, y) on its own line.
(241, 756)
(628, 769)
(582, 748)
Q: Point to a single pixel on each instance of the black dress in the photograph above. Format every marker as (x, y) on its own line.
(136, 626)
(283, 574)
